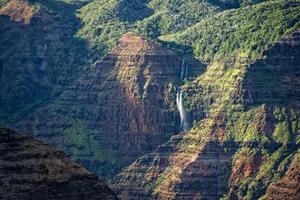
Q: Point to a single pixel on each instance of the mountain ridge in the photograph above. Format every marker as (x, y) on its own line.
(32, 170)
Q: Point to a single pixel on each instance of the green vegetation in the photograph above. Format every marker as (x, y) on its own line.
(162, 177)
(229, 35)
(245, 126)
(241, 32)
(76, 140)
(105, 21)
(101, 27)
(3, 2)
(270, 171)
(42, 59)
(171, 16)
(85, 146)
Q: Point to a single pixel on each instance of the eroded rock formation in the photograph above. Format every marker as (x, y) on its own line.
(206, 163)
(122, 108)
(288, 186)
(32, 170)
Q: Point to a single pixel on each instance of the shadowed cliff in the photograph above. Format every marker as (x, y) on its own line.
(123, 107)
(29, 169)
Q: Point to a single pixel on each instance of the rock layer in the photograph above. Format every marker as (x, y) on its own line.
(122, 108)
(29, 169)
(18, 11)
(288, 186)
(275, 79)
(212, 160)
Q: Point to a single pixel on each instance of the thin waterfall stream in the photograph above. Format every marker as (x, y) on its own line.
(184, 124)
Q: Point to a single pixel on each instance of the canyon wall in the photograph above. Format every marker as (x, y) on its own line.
(238, 149)
(123, 107)
(29, 169)
(124, 114)
(38, 54)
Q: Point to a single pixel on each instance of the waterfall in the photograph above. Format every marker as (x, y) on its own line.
(179, 98)
(183, 119)
(182, 70)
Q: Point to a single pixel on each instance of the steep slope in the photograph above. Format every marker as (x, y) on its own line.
(288, 186)
(122, 108)
(29, 169)
(38, 52)
(42, 41)
(277, 98)
(244, 109)
(249, 94)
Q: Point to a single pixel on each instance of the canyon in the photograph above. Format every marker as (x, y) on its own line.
(204, 163)
(129, 95)
(158, 99)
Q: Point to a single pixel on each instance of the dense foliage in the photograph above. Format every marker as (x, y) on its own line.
(237, 33)
(105, 21)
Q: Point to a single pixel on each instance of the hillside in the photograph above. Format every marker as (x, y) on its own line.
(162, 99)
(121, 108)
(249, 134)
(29, 169)
(39, 55)
(54, 33)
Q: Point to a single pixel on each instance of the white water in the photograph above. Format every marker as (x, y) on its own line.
(183, 119)
(179, 98)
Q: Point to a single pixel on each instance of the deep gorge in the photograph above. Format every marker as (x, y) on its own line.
(156, 99)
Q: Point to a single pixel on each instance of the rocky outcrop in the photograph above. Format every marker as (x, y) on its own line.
(288, 186)
(29, 169)
(122, 108)
(188, 166)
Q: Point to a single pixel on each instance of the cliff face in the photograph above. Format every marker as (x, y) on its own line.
(37, 54)
(233, 153)
(122, 108)
(288, 186)
(179, 169)
(275, 79)
(120, 116)
(29, 169)
(272, 84)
